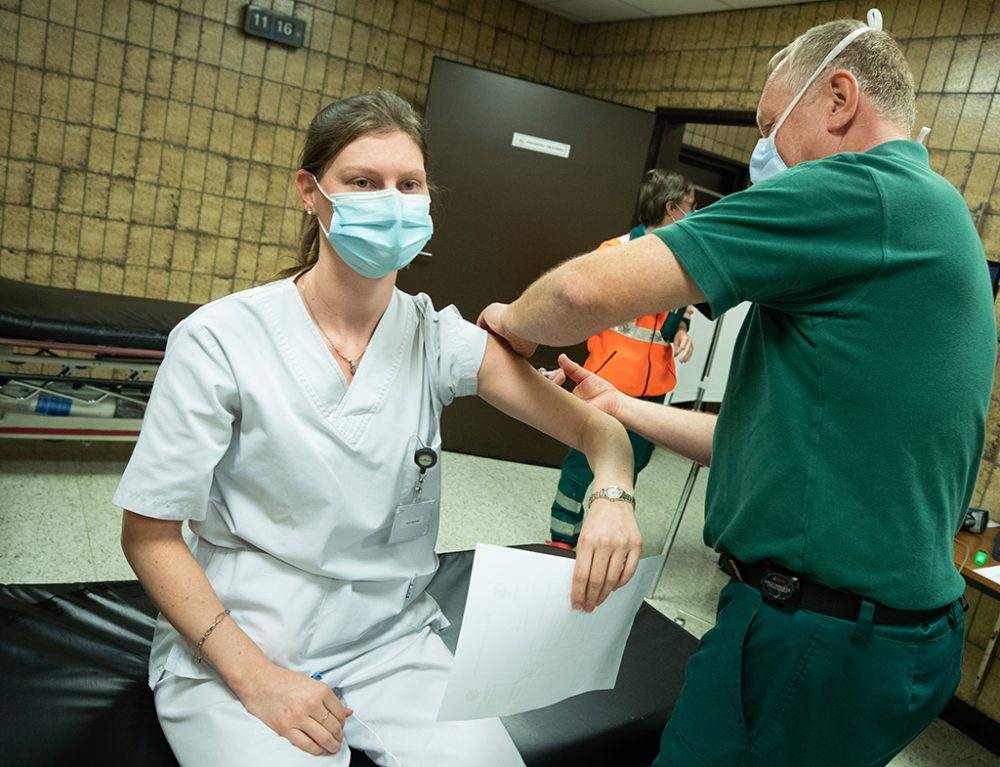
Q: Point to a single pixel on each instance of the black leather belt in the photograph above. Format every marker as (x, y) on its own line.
(784, 587)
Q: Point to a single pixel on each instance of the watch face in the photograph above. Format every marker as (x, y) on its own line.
(614, 492)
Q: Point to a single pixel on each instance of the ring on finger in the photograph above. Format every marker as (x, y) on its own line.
(325, 717)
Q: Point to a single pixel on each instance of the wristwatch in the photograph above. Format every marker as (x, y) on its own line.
(612, 493)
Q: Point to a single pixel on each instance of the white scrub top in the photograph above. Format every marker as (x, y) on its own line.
(291, 479)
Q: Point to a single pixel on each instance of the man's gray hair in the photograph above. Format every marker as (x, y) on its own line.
(657, 189)
(873, 58)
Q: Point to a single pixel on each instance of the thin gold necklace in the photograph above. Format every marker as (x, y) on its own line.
(352, 365)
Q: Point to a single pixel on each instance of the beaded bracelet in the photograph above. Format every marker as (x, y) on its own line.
(198, 656)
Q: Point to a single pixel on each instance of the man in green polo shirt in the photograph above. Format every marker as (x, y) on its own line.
(846, 451)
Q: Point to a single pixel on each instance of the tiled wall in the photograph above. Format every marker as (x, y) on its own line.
(733, 141)
(148, 148)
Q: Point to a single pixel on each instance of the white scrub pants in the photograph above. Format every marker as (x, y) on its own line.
(395, 704)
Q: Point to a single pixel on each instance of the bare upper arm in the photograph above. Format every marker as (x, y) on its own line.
(137, 528)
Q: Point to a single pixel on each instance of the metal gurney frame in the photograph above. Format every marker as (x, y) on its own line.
(77, 364)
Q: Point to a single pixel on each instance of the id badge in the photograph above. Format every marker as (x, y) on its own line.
(412, 520)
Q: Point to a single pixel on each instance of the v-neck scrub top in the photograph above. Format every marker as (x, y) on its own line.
(289, 478)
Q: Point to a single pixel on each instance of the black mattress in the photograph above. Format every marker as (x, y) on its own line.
(73, 665)
(40, 313)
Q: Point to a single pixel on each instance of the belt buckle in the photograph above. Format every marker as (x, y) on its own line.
(780, 587)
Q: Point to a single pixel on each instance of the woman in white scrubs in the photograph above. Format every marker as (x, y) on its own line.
(295, 426)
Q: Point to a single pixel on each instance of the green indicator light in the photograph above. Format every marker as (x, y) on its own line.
(981, 557)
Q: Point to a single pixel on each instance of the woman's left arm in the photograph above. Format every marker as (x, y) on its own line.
(608, 548)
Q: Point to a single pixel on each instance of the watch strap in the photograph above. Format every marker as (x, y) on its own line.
(612, 493)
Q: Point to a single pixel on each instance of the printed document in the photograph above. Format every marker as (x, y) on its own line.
(523, 647)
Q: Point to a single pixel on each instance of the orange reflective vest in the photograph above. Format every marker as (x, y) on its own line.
(637, 356)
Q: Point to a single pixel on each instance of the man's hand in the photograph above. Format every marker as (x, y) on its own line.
(590, 387)
(683, 347)
(606, 554)
(491, 319)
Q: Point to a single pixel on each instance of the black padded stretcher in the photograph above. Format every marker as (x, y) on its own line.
(73, 667)
(57, 346)
(65, 315)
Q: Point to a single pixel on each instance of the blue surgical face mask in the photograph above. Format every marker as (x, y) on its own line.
(376, 233)
(766, 160)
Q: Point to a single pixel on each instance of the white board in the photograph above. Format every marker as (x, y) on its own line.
(689, 374)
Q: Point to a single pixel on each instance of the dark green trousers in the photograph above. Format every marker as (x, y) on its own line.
(576, 476)
(777, 687)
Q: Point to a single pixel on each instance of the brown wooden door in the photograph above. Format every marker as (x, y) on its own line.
(503, 215)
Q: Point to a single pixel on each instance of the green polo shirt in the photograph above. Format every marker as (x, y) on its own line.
(849, 441)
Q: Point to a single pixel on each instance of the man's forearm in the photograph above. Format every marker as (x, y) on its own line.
(683, 432)
(599, 290)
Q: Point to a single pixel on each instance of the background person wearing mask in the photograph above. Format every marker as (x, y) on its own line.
(637, 356)
(840, 472)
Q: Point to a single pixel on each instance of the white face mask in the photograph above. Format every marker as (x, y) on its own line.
(376, 233)
(766, 161)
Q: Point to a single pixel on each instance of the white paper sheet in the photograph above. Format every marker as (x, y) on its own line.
(991, 573)
(523, 647)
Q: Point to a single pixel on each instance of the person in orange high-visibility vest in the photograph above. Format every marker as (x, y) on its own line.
(637, 357)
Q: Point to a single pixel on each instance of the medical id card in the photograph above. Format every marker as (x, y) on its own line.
(412, 520)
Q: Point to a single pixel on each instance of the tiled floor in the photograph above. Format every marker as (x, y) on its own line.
(57, 524)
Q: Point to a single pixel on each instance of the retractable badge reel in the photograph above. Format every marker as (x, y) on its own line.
(425, 458)
(412, 520)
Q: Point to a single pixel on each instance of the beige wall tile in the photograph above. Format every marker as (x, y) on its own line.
(976, 18)
(112, 278)
(182, 255)
(135, 281)
(938, 61)
(30, 37)
(982, 181)
(55, 94)
(157, 281)
(49, 140)
(45, 187)
(984, 78)
(59, 49)
(926, 19)
(12, 265)
(63, 272)
(92, 238)
(42, 232)
(990, 138)
(179, 287)
(130, 110)
(126, 156)
(68, 228)
(95, 196)
(963, 64)
(102, 151)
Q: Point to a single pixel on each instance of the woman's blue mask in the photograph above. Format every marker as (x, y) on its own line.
(376, 233)
(766, 160)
